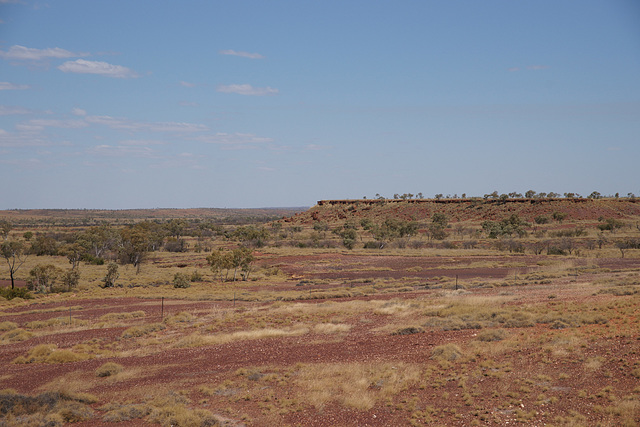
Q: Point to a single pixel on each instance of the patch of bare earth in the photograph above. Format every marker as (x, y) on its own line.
(536, 375)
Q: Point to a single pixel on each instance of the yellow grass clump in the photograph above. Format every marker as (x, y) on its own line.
(49, 353)
(199, 340)
(354, 385)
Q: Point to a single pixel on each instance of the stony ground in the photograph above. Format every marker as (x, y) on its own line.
(536, 375)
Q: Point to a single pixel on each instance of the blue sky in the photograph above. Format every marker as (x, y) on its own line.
(143, 104)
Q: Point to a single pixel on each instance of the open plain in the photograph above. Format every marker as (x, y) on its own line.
(538, 325)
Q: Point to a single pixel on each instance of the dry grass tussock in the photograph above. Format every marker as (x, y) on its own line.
(199, 340)
(50, 353)
(50, 408)
(354, 385)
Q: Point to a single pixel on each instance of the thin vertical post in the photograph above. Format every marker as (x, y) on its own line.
(162, 310)
(69, 316)
(456, 282)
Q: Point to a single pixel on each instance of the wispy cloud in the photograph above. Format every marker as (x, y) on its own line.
(79, 112)
(82, 66)
(241, 53)
(141, 142)
(234, 139)
(119, 123)
(316, 147)
(247, 89)
(9, 111)
(12, 86)
(122, 151)
(23, 163)
(39, 124)
(187, 84)
(22, 139)
(22, 53)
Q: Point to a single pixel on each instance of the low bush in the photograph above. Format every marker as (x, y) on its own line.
(49, 353)
(491, 335)
(409, 331)
(117, 413)
(109, 369)
(46, 409)
(139, 331)
(181, 281)
(448, 352)
(15, 293)
(7, 326)
(16, 335)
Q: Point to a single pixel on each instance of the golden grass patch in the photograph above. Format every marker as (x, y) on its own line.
(353, 385)
(199, 340)
(50, 353)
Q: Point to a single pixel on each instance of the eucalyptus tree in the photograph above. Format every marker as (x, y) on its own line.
(15, 253)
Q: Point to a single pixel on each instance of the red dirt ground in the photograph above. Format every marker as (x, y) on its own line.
(561, 377)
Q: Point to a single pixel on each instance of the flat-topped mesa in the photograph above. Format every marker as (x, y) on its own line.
(458, 200)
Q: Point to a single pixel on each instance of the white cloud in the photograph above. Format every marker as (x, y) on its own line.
(122, 151)
(141, 142)
(8, 111)
(22, 139)
(79, 112)
(23, 163)
(247, 89)
(241, 53)
(234, 139)
(316, 147)
(63, 124)
(82, 66)
(118, 123)
(12, 86)
(23, 53)
(187, 84)
(513, 69)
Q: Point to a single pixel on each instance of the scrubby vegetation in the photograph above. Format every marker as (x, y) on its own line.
(420, 312)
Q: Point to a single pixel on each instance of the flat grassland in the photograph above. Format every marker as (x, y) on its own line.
(462, 329)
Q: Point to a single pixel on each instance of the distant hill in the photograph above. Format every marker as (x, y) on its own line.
(92, 216)
(458, 210)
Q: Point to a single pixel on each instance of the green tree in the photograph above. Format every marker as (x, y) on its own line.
(97, 240)
(109, 280)
(438, 225)
(74, 253)
(559, 216)
(251, 235)
(42, 278)
(70, 279)
(506, 227)
(14, 252)
(241, 258)
(610, 224)
(220, 260)
(181, 280)
(176, 227)
(5, 228)
(137, 240)
(44, 245)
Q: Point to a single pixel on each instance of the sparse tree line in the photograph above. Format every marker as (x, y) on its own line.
(131, 244)
(495, 195)
(230, 248)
